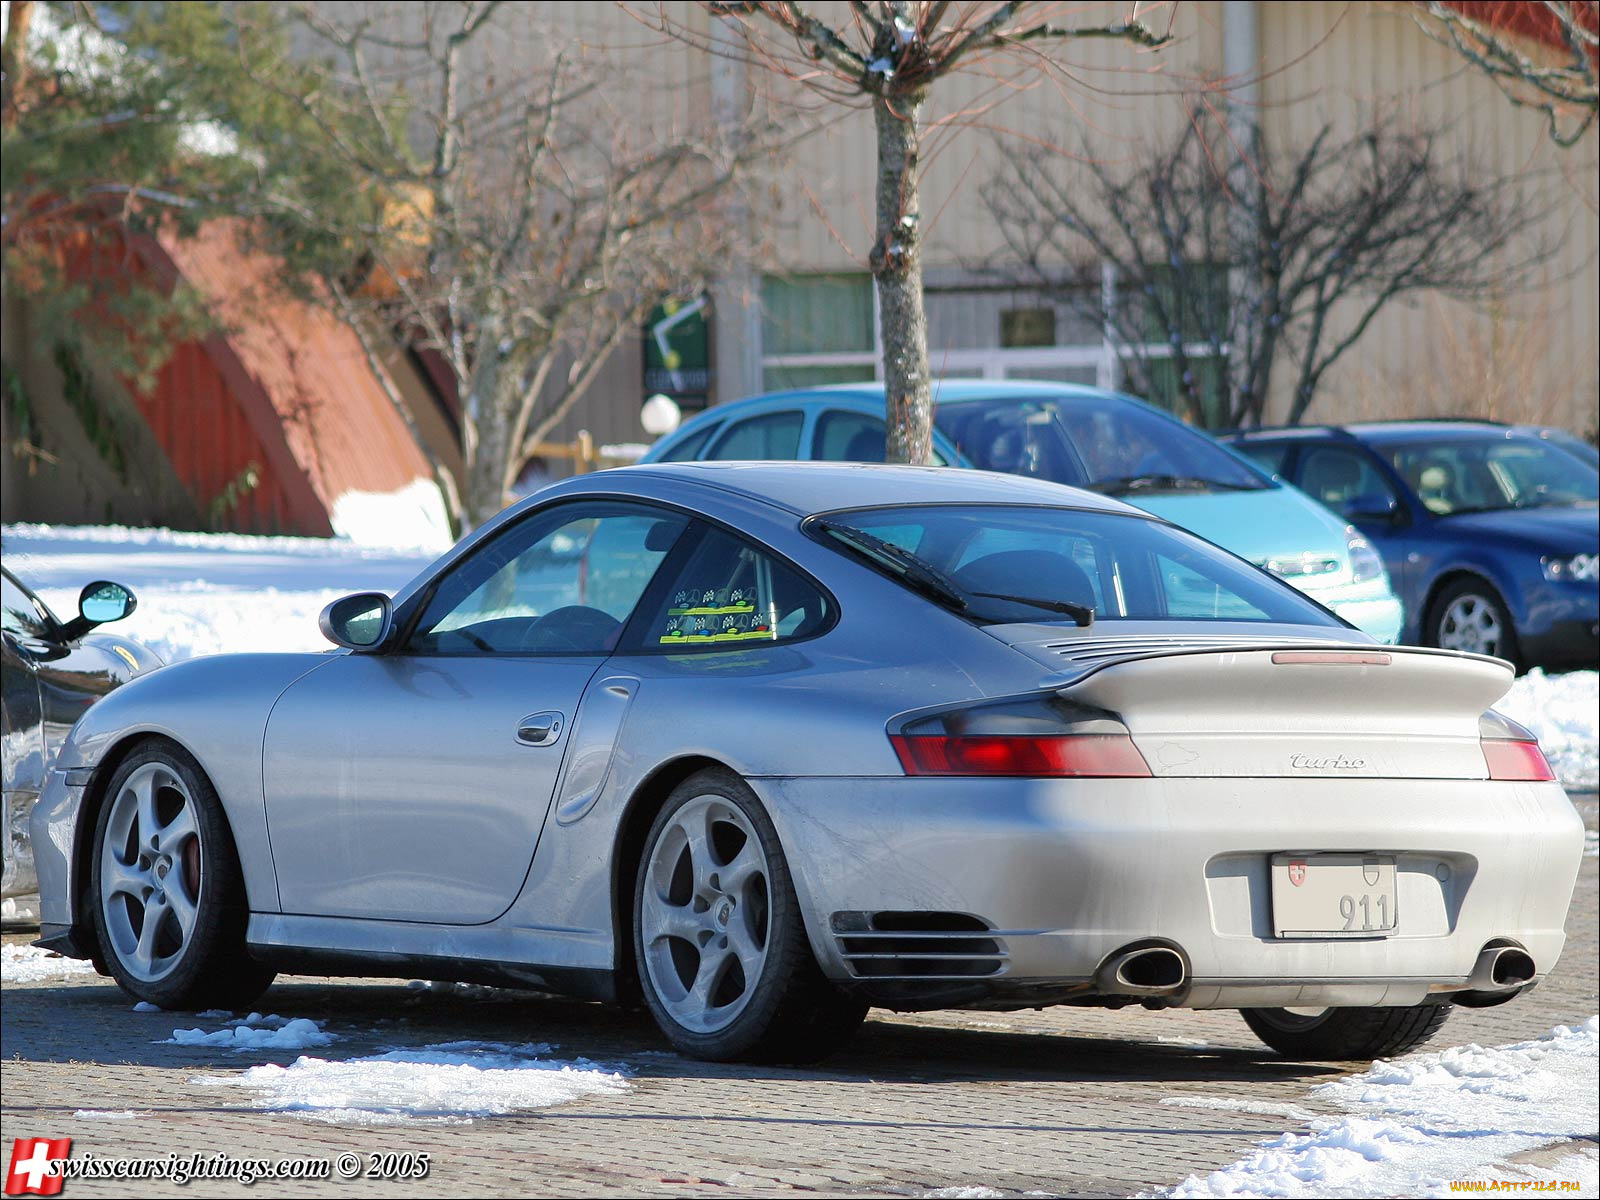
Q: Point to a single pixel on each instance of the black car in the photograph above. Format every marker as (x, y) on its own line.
(1490, 532)
(53, 670)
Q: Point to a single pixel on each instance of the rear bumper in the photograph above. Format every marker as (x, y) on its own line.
(1065, 873)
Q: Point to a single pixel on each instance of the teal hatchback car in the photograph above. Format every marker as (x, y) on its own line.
(1085, 437)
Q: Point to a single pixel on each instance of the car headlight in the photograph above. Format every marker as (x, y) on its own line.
(1584, 568)
(1365, 562)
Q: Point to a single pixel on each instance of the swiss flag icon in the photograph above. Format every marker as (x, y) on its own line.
(29, 1172)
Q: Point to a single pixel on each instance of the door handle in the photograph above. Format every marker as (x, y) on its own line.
(540, 729)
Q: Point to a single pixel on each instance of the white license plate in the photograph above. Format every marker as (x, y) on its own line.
(1333, 895)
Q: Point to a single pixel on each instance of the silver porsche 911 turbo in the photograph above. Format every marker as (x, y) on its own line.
(767, 744)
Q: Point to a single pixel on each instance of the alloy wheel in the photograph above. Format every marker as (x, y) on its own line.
(705, 916)
(150, 872)
(1472, 623)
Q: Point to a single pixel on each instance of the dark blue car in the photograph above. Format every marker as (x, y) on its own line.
(1490, 533)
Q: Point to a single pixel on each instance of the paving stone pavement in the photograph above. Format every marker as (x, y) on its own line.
(1062, 1102)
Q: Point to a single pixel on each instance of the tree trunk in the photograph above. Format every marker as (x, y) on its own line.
(491, 408)
(896, 262)
(14, 62)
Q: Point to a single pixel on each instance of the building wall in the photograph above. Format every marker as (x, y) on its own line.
(67, 479)
(1533, 354)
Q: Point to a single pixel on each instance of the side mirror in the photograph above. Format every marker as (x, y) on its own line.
(1371, 507)
(103, 601)
(358, 622)
(99, 603)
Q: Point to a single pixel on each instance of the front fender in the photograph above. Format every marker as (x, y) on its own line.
(216, 708)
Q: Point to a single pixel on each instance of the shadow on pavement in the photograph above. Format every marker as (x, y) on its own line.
(96, 1023)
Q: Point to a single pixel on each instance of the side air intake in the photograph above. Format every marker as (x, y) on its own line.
(918, 945)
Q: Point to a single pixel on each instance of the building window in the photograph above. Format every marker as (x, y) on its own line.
(817, 329)
(1021, 327)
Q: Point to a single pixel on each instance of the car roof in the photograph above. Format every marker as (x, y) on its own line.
(809, 487)
(870, 394)
(1377, 431)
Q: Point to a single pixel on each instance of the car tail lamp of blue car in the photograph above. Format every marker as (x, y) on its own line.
(1044, 738)
(1512, 752)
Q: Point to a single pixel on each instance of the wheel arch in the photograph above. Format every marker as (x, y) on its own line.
(94, 799)
(1458, 573)
(632, 830)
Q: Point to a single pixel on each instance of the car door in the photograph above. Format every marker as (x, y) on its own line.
(412, 784)
(1348, 480)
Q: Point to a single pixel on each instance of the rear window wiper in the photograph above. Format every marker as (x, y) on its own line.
(1082, 614)
(1164, 483)
(932, 582)
(922, 576)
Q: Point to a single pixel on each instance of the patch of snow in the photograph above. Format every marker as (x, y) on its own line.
(1416, 1123)
(100, 1114)
(256, 1032)
(33, 964)
(1263, 1108)
(451, 1083)
(1591, 843)
(144, 1006)
(974, 1192)
(1564, 711)
(412, 518)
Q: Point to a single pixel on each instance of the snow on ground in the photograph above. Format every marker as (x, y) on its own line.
(256, 1032)
(1563, 710)
(450, 1083)
(1417, 1123)
(31, 964)
(203, 593)
(101, 1114)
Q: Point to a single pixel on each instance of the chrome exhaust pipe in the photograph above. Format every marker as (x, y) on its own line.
(1143, 971)
(1501, 967)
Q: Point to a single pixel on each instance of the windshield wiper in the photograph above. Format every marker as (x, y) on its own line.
(922, 576)
(926, 578)
(1081, 614)
(1165, 483)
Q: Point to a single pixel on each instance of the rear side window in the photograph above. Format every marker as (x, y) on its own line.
(731, 594)
(689, 448)
(849, 437)
(996, 558)
(774, 436)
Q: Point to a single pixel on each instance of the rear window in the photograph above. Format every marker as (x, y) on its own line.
(1125, 568)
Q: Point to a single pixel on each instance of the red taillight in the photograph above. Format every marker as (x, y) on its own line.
(1100, 755)
(1509, 759)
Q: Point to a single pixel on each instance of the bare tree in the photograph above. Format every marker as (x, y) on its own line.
(1334, 232)
(522, 231)
(1543, 54)
(889, 55)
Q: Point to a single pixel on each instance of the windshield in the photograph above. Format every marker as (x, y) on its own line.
(1109, 445)
(1002, 564)
(1491, 474)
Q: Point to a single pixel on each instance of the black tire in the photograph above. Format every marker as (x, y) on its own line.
(793, 1014)
(211, 968)
(1346, 1034)
(1471, 588)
